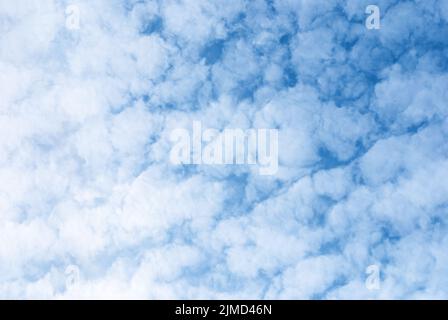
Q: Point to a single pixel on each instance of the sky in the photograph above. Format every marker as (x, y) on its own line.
(92, 208)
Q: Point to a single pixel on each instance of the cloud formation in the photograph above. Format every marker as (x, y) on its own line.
(85, 123)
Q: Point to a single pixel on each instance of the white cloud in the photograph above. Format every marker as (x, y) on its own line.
(85, 120)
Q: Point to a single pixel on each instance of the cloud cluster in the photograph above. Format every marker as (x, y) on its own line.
(85, 121)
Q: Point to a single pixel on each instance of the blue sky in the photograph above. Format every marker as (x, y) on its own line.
(85, 178)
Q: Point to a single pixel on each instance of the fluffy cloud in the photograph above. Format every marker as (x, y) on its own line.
(87, 191)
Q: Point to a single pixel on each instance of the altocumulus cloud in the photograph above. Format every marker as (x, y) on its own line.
(86, 185)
